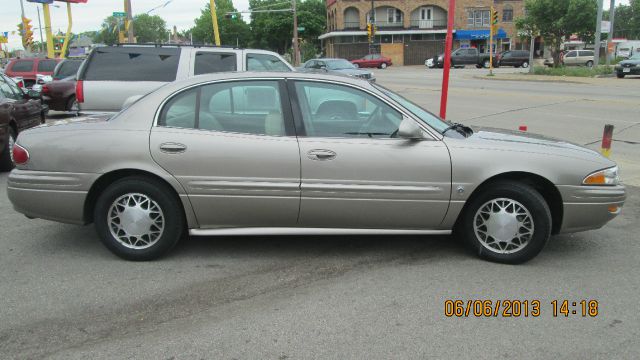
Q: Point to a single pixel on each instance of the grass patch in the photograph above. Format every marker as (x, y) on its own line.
(576, 71)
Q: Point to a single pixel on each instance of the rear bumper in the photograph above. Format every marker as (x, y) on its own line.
(50, 195)
(590, 207)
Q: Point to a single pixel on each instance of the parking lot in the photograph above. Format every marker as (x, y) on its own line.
(65, 296)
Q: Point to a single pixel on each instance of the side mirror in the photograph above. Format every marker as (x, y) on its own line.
(410, 130)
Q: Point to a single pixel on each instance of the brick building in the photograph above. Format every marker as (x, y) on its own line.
(410, 31)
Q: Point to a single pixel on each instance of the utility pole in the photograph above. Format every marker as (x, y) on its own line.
(532, 49)
(596, 50)
(129, 24)
(24, 27)
(372, 21)
(447, 59)
(296, 59)
(40, 27)
(214, 20)
(612, 15)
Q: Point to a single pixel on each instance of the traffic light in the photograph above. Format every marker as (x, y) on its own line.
(494, 20)
(369, 29)
(28, 31)
(232, 16)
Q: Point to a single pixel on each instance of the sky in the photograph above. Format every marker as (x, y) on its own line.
(89, 16)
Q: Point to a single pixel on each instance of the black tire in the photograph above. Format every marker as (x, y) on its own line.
(174, 223)
(383, 66)
(6, 164)
(356, 65)
(620, 75)
(525, 64)
(589, 64)
(527, 197)
(486, 64)
(478, 66)
(70, 104)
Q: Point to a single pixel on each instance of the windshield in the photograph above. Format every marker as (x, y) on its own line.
(635, 56)
(339, 65)
(429, 118)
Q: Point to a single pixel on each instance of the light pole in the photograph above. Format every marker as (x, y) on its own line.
(596, 50)
(612, 15)
(296, 58)
(40, 26)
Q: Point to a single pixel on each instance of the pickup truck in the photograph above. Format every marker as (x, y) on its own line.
(467, 56)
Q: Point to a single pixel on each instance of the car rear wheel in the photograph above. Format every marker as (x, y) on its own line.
(383, 66)
(589, 64)
(486, 64)
(6, 157)
(72, 104)
(525, 64)
(509, 223)
(139, 218)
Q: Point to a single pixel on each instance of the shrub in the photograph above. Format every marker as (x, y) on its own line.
(577, 71)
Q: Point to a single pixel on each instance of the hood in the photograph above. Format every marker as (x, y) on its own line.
(630, 62)
(534, 143)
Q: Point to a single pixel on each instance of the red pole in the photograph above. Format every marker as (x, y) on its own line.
(447, 60)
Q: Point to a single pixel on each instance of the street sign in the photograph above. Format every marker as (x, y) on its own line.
(300, 28)
(119, 14)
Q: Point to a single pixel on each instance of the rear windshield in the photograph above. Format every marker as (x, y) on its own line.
(67, 68)
(47, 65)
(132, 64)
(22, 66)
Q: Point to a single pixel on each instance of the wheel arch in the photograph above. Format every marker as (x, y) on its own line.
(544, 186)
(109, 178)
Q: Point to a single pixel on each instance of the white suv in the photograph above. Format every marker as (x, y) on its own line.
(113, 74)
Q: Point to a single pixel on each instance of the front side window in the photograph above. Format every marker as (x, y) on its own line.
(571, 54)
(330, 110)
(251, 107)
(212, 62)
(47, 65)
(9, 89)
(265, 62)
(22, 66)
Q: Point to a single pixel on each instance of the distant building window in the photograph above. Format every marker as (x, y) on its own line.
(470, 18)
(478, 18)
(394, 15)
(507, 15)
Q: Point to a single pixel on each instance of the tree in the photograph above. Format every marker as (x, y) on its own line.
(109, 32)
(557, 20)
(233, 32)
(627, 20)
(150, 28)
(274, 30)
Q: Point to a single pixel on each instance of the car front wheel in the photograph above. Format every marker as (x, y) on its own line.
(356, 65)
(139, 218)
(486, 64)
(509, 223)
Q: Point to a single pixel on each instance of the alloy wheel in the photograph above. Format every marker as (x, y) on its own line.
(503, 226)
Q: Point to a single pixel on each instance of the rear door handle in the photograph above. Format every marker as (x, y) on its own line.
(321, 154)
(173, 148)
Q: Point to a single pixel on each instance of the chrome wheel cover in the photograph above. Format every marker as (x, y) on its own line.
(12, 141)
(136, 221)
(503, 226)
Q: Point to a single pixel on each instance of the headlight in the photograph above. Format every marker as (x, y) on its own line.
(440, 57)
(603, 177)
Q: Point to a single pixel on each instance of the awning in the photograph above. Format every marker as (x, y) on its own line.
(478, 34)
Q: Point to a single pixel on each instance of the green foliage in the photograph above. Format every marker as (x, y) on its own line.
(627, 20)
(232, 31)
(274, 30)
(575, 71)
(556, 20)
(109, 31)
(150, 28)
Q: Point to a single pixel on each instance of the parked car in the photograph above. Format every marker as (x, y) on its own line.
(112, 74)
(574, 58)
(304, 153)
(19, 110)
(29, 68)
(337, 66)
(630, 66)
(466, 56)
(373, 61)
(515, 58)
(60, 94)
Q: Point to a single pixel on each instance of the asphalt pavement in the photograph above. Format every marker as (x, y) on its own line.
(64, 296)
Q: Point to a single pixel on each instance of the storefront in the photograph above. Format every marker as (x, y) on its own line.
(479, 39)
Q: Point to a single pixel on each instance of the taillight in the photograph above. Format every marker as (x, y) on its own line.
(79, 91)
(20, 84)
(45, 89)
(20, 154)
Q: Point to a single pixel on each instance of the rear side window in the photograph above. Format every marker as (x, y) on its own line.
(22, 66)
(132, 64)
(211, 62)
(265, 62)
(586, 53)
(47, 65)
(67, 68)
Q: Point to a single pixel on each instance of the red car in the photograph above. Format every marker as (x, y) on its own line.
(28, 68)
(60, 94)
(373, 60)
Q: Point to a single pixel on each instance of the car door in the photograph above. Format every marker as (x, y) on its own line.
(506, 59)
(233, 148)
(570, 58)
(355, 173)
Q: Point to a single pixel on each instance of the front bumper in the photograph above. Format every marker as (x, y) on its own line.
(590, 207)
(635, 70)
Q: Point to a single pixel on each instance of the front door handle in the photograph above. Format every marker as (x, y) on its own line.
(173, 148)
(321, 154)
